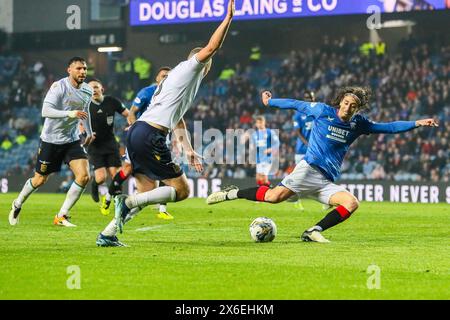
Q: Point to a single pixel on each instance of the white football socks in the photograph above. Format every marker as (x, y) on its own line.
(111, 229)
(72, 197)
(138, 201)
(162, 208)
(162, 194)
(27, 190)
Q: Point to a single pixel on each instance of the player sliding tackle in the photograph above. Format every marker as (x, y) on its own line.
(335, 128)
(150, 157)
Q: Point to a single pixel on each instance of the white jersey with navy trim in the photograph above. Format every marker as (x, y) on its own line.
(175, 94)
(64, 96)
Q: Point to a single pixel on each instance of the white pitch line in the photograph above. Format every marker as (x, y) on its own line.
(148, 228)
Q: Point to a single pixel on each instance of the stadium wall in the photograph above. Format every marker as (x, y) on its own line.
(28, 16)
(371, 191)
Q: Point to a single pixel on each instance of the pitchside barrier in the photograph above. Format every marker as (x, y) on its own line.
(364, 190)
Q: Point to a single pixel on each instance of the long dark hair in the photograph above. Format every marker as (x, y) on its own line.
(363, 93)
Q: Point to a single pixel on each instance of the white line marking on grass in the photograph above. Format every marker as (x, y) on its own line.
(148, 228)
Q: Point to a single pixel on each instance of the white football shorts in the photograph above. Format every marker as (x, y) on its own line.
(308, 182)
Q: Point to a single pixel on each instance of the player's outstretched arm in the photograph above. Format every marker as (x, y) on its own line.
(427, 123)
(309, 108)
(400, 126)
(218, 36)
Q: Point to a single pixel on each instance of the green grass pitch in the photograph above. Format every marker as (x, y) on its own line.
(207, 253)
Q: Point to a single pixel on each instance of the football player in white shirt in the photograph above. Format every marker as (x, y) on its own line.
(150, 157)
(65, 104)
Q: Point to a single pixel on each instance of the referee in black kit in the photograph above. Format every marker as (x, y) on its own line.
(104, 152)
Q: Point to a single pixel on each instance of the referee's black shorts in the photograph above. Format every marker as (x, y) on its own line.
(149, 153)
(104, 155)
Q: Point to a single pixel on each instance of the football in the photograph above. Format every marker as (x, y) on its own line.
(263, 229)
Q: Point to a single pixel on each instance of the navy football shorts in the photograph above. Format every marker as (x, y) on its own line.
(149, 153)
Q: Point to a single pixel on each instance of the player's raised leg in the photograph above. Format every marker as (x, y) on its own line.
(80, 168)
(30, 186)
(263, 194)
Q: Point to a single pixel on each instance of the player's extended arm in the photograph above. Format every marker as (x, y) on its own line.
(182, 136)
(308, 108)
(49, 112)
(218, 36)
(301, 106)
(400, 126)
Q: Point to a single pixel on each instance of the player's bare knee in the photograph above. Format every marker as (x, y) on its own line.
(352, 204)
(182, 193)
(100, 179)
(273, 197)
(38, 180)
(83, 179)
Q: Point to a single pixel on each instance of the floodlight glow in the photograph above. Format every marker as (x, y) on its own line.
(109, 49)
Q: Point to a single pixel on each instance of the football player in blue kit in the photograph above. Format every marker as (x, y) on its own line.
(335, 128)
(266, 143)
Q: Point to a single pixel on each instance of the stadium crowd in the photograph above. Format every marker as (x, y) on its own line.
(411, 83)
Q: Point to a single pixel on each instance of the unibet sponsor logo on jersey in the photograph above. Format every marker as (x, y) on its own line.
(337, 134)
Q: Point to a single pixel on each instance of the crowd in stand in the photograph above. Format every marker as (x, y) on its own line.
(410, 84)
(21, 88)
